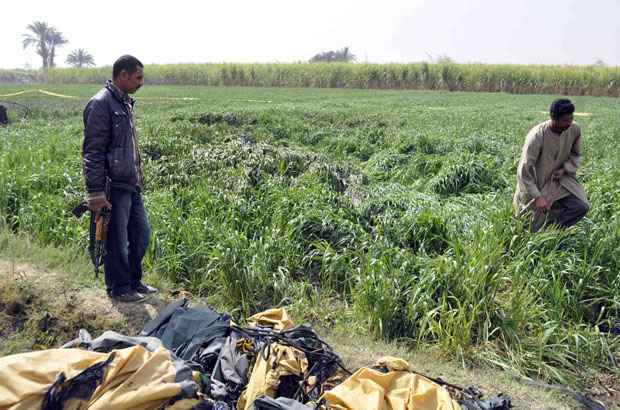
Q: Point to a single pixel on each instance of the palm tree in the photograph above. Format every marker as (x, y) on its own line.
(38, 37)
(45, 38)
(346, 55)
(56, 39)
(80, 58)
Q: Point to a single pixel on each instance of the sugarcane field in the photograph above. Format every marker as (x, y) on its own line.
(249, 228)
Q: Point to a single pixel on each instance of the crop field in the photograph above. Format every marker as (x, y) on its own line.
(443, 75)
(381, 210)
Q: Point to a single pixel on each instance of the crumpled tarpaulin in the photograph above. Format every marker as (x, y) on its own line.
(395, 389)
(133, 378)
(268, 372)
(230, 373)
(281, 403)
(277, 319)
(193, 334)
(110, 340)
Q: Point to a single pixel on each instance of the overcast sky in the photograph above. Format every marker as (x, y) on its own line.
(176, 31)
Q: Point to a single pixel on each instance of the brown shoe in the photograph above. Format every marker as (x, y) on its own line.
(129, 297)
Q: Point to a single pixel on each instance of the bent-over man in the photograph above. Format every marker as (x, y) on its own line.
(112, 163)
(546, 175)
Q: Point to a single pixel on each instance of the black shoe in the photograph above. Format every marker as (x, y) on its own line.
(128, 297)
(145, 289)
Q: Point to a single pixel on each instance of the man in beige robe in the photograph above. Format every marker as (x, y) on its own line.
(546, 175)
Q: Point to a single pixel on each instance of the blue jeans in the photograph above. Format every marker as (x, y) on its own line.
(127, 240)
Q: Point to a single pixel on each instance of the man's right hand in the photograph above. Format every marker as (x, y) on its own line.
(97, 201)
(541, 204)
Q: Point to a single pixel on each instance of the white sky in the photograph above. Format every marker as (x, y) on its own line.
(175, 31)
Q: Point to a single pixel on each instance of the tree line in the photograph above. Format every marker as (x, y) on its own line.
(45, 39)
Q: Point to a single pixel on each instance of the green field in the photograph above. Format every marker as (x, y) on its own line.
(381, 210)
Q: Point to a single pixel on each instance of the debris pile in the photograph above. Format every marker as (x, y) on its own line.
(195, 358)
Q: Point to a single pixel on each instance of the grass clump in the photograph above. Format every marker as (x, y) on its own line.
(393, 206)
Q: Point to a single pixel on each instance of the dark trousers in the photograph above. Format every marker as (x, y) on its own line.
(568, 211)
(128, 238)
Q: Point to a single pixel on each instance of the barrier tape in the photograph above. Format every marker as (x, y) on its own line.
(169, 98)
(55, 94)
(38, 91)
(18, 93)
(51, 94)
(257, 101)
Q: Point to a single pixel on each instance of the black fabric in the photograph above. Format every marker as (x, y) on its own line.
(611, 329)
(208, 404)
(231, 371)
(494, 403)
(108, 148)
(322, 361)
(81, 387)
(163, 317)
(568, 211)
(190, 332)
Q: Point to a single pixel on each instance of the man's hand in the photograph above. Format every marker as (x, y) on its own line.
(558, 174)
(541, 204)
(97, 201)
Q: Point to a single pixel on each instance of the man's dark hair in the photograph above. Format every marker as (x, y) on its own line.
(127, 63)
(561, 107)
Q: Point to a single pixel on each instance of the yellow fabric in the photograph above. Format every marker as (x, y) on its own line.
(136, 378)
(266, 374)
(277, 319)
(398, 390)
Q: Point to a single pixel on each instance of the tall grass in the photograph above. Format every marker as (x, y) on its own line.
(519, 79)
(399, 210)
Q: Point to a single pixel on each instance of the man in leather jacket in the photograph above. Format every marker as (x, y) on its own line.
(112, 163)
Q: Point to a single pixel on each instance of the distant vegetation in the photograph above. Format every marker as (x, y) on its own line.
(443, 75)
(339, 56)
(45, 39)
(80, 58)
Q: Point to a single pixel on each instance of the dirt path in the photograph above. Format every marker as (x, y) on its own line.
(52, 302)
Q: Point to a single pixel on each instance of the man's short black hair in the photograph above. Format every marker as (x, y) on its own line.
(561, 107)
(127, 63)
